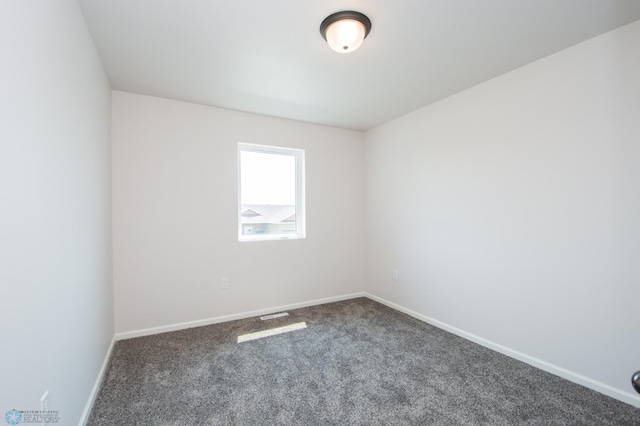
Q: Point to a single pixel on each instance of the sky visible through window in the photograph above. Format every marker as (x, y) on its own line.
(267, 178)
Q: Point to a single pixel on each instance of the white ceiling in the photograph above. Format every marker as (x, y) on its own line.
(268, 57)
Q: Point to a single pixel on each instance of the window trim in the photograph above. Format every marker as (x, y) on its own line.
(300, 192)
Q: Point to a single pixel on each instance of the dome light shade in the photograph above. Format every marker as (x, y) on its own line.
(345, 31)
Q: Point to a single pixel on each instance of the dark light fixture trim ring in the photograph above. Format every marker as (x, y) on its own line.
(346, 14)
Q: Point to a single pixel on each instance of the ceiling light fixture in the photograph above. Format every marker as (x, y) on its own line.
(345, 31)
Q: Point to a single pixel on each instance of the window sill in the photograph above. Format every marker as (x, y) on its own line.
(279, 237)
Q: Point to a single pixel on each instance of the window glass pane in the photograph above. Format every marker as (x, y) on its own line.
(269, 180)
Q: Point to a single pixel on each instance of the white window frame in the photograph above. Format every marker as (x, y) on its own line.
(300, 192)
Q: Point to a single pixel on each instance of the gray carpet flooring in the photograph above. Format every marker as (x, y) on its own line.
(357, 363)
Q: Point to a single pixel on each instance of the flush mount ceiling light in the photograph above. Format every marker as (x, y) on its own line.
(345, 31)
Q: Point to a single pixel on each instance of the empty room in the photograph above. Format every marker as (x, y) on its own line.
(320, 213)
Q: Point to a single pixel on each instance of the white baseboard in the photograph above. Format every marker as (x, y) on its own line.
(96, 385)
(232, 317)
(626, 397)
(590, 383)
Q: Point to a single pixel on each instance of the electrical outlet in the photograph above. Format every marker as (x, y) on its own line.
(224, 282)
(395, 275)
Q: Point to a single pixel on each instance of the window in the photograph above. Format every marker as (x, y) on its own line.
(271, 193)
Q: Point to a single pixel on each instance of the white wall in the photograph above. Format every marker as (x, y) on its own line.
(55, 217)
(512, 211)
(175, 214)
